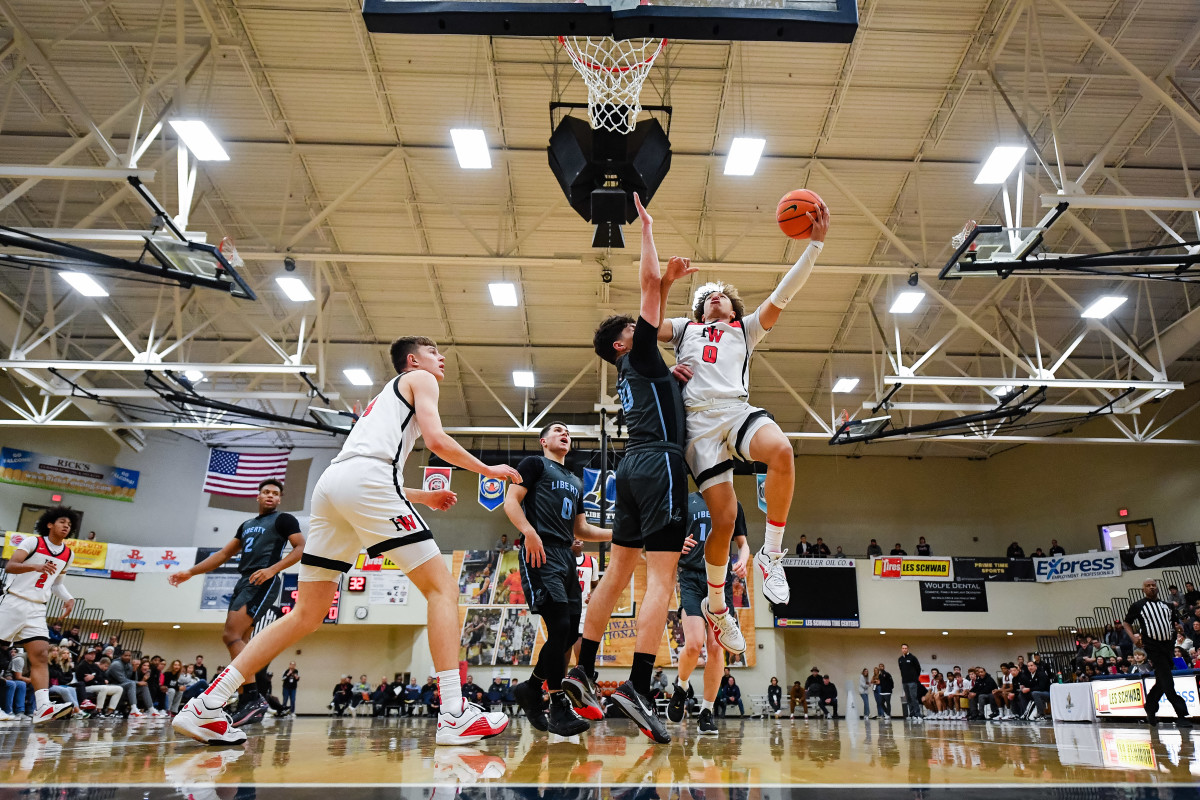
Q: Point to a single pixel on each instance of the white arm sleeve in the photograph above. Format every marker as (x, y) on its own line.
(796, 276)
(755, 332)
(60, 589)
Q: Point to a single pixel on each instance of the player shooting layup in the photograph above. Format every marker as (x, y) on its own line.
(714, 351)
(360, 502)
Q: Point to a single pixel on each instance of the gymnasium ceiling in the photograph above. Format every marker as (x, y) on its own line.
(340, 156)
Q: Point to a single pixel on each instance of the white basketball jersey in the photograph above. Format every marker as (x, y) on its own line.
(387, 430)
(719, 356)
(585, 568)
(35, 586)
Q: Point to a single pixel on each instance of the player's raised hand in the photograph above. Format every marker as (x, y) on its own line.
(503, 472)
(535, 553)
(440, 499)
(643, 214)
(679, 267)
(820, 226)
(176, 578)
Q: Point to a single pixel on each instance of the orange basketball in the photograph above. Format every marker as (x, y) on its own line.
(793, 210)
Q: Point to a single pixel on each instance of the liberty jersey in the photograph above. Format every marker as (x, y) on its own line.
(586, 571)
(649, 394)
(387, 430)
(36, 586)
(719, 356)
(263, 538)
(699, 525)
(553, 498)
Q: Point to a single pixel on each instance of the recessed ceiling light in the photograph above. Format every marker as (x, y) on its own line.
(199, 139)
(470, 145)
(194, 375)
(523, 379)
(503, 294)
(743, 156)
(175, 627)
(844, 385)
(84, 284)
(1000, 164)
(358, 377)
(906, 302)
(1009, 633)
(1003, 391)
(883, 633)
(945, 633)
(295, 289)
(1102, 307)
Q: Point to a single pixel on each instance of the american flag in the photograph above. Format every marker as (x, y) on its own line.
(238, 474)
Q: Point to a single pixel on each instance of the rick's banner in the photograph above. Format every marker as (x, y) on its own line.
(56, 473)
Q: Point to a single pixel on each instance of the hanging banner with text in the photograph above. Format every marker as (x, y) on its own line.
(1077, 567)
(953, 596)
(912, 568)
(1003, 570)
(89, 555)
(591, 496)
(27, 468)
(1168, 555)
(137, 559)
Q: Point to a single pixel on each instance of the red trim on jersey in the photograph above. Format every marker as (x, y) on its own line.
(42, 547)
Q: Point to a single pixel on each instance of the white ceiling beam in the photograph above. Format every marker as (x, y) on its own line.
(130, 366)
(105, 235)
(1052, 383)
(211, 395)
(75, 173)
(1044, 408)
(1122, 202)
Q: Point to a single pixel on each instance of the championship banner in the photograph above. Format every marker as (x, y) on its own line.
(88, 554)
(954, 596)
(27, 468)
(591, 496)
(993, 569)
(1168, 555)
(138, 560)
(1077, 567)
(491, 492)
(912, 568)
(760, 484)
(436, 479)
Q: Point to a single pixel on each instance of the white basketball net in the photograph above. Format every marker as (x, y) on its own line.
(614, 72)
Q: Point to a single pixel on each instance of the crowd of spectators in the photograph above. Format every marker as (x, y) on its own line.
(819, 549)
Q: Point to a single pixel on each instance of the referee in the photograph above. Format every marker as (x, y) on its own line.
(1158, 622)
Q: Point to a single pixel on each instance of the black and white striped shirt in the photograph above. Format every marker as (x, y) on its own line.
(1155, 618)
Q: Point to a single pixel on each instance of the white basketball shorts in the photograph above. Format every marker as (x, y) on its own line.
(716, 435)
(358, 505)
(22, 620)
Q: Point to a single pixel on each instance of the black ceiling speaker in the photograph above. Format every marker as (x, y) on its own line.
(599, 171)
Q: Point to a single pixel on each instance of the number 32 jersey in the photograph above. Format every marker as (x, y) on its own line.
(719, 356)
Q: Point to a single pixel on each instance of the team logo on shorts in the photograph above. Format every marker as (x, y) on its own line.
(491, 492)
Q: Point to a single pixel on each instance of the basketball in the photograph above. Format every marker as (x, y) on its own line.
(792, 212)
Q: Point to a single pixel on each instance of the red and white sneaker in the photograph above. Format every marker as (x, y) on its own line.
(53, 711)
(467, 765)
(725, 628)
(136, 713)
(470, 726)
(207, 725)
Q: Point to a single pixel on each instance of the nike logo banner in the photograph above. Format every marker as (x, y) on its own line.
(1168, 555)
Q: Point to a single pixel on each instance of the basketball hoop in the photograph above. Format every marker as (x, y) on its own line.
(614, 72)
(229, 251)
(957, 239)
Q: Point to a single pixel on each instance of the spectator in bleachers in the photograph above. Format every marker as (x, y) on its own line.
(115, 643)
(898, 550)
(510, 698)
(496, 691)
(775, 698)
(199, 670)
(412, 696)
(820, 549)
(1056, 549)
(143, 680)
(121, 673)
(343, 693)
(803, 548)
(796, 697)
(361, 692)
(55, 632)
(14, 691)
(503, 545)
(838, 552)
(189, 685)
(1190, 595)
(475, 694)
(379, 698)
(659, 685)
(108, 694)
(1180, 660)
(1038, 553)
(18, 670)
(1173, 597)
(1141, 665)
(1182, 640)
(923, 548)
(1015, 551)
(828, 698)
(171, 689)
(864, 691)
(61, 678)
(873, 549)
(730, 695)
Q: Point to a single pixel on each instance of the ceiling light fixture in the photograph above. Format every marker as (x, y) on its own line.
(84, 284)
(1000, 164)
(743, 156)
(470, 145)
(199, 139)
(906, 302)
(844, 385)
(194, 375)
(1102, 307)
(503, 294)
(295, 289)
(523, 378)
(357, 376)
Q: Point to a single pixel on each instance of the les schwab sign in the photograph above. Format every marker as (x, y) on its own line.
(1077, 567)
(912, 568)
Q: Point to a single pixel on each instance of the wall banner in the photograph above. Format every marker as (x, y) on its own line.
(135, 559)
(1004, 570)
(1169, 555)
(27, 468)
(912, 568)
(953, 596)
(88, 554)
(1077, 567)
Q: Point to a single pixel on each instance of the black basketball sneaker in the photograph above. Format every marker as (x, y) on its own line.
(678, 703)
(529, 698)
(639, 709)
(250, 711)
(581, 690)
(707, 726)
(561, 720)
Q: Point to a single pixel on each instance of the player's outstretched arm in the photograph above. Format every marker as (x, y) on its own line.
(587, 532)
(649, 272)
(207, 565)
(438, 499)
(425, 401)
(677, 268)
(772, 307)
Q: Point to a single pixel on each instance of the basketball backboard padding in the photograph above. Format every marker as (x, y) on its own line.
(745, 20)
